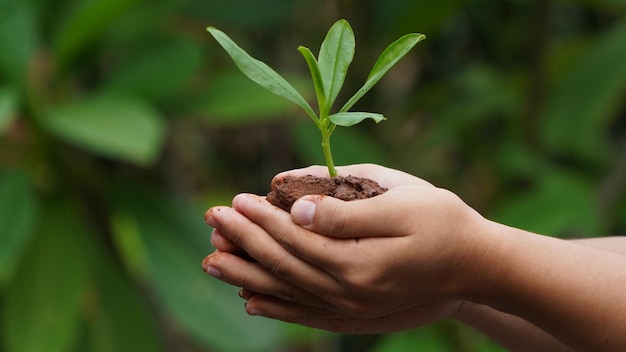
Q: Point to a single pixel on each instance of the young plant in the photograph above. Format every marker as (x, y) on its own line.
(328, 72)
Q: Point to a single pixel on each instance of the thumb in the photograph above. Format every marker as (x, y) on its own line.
(333, 217)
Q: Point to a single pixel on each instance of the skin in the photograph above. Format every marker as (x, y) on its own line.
(413, 256)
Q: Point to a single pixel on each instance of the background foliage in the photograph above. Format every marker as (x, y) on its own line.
(121, 121)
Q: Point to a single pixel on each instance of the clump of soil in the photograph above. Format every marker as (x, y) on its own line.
(289, 189)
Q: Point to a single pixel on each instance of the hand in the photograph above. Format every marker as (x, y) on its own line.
(398, 258)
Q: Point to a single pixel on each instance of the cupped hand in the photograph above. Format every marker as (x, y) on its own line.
(401, 253)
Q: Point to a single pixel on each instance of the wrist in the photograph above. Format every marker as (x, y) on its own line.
(477, 261)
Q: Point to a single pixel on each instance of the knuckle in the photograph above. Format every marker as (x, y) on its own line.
(336, 219)
(286, 293)
(275, 265)
(355, 308)
(288, 245)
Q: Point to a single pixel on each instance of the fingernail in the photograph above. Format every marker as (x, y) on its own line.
(213, 271)
(245, 294)
(302, 212)
(205, 263)
(210, 220)
(216, 236)
(255, 311)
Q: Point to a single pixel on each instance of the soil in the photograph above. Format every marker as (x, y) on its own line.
(287, 190)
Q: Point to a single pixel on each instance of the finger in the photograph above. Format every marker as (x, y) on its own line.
(274, 308)
(222, 244)
(293, 312)
(261, 246)
(255, 279)
(380, 216)
(320, 251)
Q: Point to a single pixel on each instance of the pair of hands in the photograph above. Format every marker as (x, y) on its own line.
(388, 263)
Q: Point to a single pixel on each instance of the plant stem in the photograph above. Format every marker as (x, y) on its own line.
(326, 132)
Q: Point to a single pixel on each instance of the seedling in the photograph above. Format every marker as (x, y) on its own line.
(328, 72)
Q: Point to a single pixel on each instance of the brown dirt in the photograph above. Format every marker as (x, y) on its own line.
(287, 190)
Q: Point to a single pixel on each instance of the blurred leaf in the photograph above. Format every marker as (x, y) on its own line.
(121, 321)
(584, 101)
(127, 238)
(407, 16)
(559, 204)
(245, 13)
(426, 339)
(84, 24)
(233, 99)
(479, 93)
(156, 72)
(41, 307)
(18, 38)
(8, 106)
(116, 127)
(208, 310)
(18, 218)
(350, 146)
(440, 337)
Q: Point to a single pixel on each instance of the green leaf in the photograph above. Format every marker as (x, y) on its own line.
(220, 106)
(41, 310)
(18, 216)
(18, 39)
(115, 127)
(260, 73)
(335, 57)
(156, 72)
(175, 239)
(316, 75)
(120, 319)
(350, 146)
(390, 56)
(8, 108)
(347, 119)
(540, 209)
(587, 98)
(85, 23)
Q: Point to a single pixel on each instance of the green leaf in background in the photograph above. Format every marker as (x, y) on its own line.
(207, 310)
(335, 57)
(8, 106)
(584, 100)
(120, 319)
(351, 146)
(116, 127)
(18, 38)
(258, 15)
(390, 56)
(221, 107)
(439, 337)
(84, 24)
(260, 73)
(426, 339)
(347, 119)
(42, 304)
(156, 72)
(560, 204)
(18, 218)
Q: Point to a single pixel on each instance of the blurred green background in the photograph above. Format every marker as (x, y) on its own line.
(122, 121)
